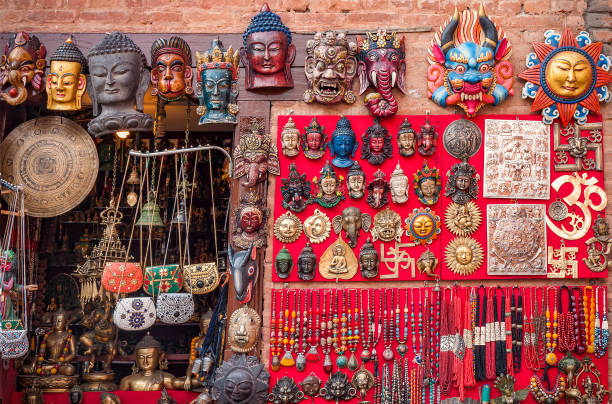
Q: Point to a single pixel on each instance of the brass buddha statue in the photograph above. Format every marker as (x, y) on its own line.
(51, 368)
(150, 376)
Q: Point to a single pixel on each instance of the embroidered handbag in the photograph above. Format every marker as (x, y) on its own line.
(163, 279)
(201, 278)
(175, 308)
(13, 340)
(122, 277)
(134, 313)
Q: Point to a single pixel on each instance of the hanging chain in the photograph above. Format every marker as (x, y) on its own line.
(115, 158)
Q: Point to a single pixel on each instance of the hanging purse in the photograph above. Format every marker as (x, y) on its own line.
(134, 313)
(122, 277)
(175, 308)
(201, 279)
(162, 279)
(13, 340)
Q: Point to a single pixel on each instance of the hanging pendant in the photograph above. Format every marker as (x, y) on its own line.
(417, 359)
(341, 361)
(353, 363)
(388, 354)
(300, 362)
(313, 354)
(275, 365)
(402, 349)
(327, 364)
(365, 355)
(558, 210)
(287, 360)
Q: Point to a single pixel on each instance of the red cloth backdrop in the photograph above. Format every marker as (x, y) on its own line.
(522, 378)
(441, 160)
(127, 397)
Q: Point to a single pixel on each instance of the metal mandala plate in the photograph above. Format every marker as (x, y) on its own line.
(462, 139)
(558, 211)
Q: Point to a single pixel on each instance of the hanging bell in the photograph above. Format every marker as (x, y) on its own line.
(150, 215)
(180, 215)
(133, 178)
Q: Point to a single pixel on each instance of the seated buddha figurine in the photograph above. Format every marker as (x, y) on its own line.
(149, 376)
(51, 366)
(338, 262)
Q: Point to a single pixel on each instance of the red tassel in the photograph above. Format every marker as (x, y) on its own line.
(490, 344)
(468, 360)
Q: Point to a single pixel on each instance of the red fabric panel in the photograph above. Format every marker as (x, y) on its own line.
(127, 397)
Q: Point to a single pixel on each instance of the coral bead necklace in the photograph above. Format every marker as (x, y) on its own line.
(580, 320)
(551, 327)
(567, 339)
(589, 318)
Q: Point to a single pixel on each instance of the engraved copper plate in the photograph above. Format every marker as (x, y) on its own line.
(516, 236)
(54, 159)
(517, 159)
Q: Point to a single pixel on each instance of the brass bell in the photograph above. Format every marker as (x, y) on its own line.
(150, 215)
(180, 217)
(133, 178)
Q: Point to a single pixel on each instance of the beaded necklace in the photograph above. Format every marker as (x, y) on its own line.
(313, 329)
(395, 382)
(490, 336)
(275, 346)
(602, 333)
(326, 337)
(500, 333)
(446, 346)
(406, 384)
(302, 324)
(508, 330)
(468, 337)
(353, 332)
(580, 321)
(567, 339)
(589, 318)
(551, 327)
(341, 359)
(365, 334)
(540, 327)
(401, 348)
(41, 355)
(379, 328)
(517, 328)
(415, 348)
(541, 394)
(529, 338)
(480, 336)
(387, 334)
(386, 386)
(435, 346)
(288, 325)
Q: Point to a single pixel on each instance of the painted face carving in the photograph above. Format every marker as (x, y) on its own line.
(296, 191)
(356, 182)
(238, 386)
(22, 68)
(171, 72)
(66, 81)
(462, 183)
(368, 260)
(244, 270)
(330, 68)
(307, 263)
(422, 225)
(376, 144)
(290, 139)
(381, 65)
(217, 84)
(243, 329)
(329, 192)
(426, 184)
(569, 74)
(250, 217)
(468, 74)
(378, 190)
(267, 52)
(314, 140)
(255, 156)
(250, 222)
(427, 139)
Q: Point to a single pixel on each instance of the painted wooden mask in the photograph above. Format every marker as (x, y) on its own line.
(22, 68)
(171, 72)
(67, 79)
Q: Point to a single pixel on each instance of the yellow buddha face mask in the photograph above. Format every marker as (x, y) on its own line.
(569, 74)
(66, 82)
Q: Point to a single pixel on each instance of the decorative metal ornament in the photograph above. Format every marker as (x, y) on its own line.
(243, 329)
(290, 139)
(517, 159)
(356, 181)
(217, 87)
(338, 261)
(283, 263)
(338, 388)
(462, 220)
(427, 138)
(244, 271)
(363, 380)
(241, 380)
(427, 184)
(311, 386)
(462, 183)
(326, 83)
(296, 191)
(22, 68)
(166, 398)
(55, 161)
(490, 76)
(400, 190)
(427, 263)
(406, 139)
(317, 227)
(576, 228)
(558, 210)
(114, 95)
(387, 226)
(343, 144)
(516, 239)
(351, 220)
(381, 65)
(463, 255)
(378, 191)
(329, 185)
(307, 263)
(171, 73)
(287, 228)
(255, 156)
(599, 246)
(422, 225)
(285, 391)
(368, 260)
(396, 258)
(462, 139)
(562, 262)
(578, 147)
(250, 219)
(566, 77)
(67, 80)
(506, 386)
(314, 140)
(267, 52)
(376, 144)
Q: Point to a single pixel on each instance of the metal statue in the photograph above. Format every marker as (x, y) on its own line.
(351, 220)
(241, 380)
(287, 228)
(462, 220)
(307, 263)
(317, 227)
(506, 386)
(311, 386)
(462, 139)
(462, 183)
(427, 263)
(285, 391)
(243, 329)
(368, 260)
(338, 261)
(338, 388)
(290, 139)
(343, 144)
(463, 255)
(171, 73)
(283, 263)
(406, 139)
(363, 380)
(387, 226)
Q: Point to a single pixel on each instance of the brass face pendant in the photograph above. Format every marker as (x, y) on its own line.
(317, 227)
(427, 263)
(243, 330)
(463, 255)
(422, 225)
(338, 261)
(462, 220)
(290, 139)
(387, 226)
(287, 228)
(363, 380)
